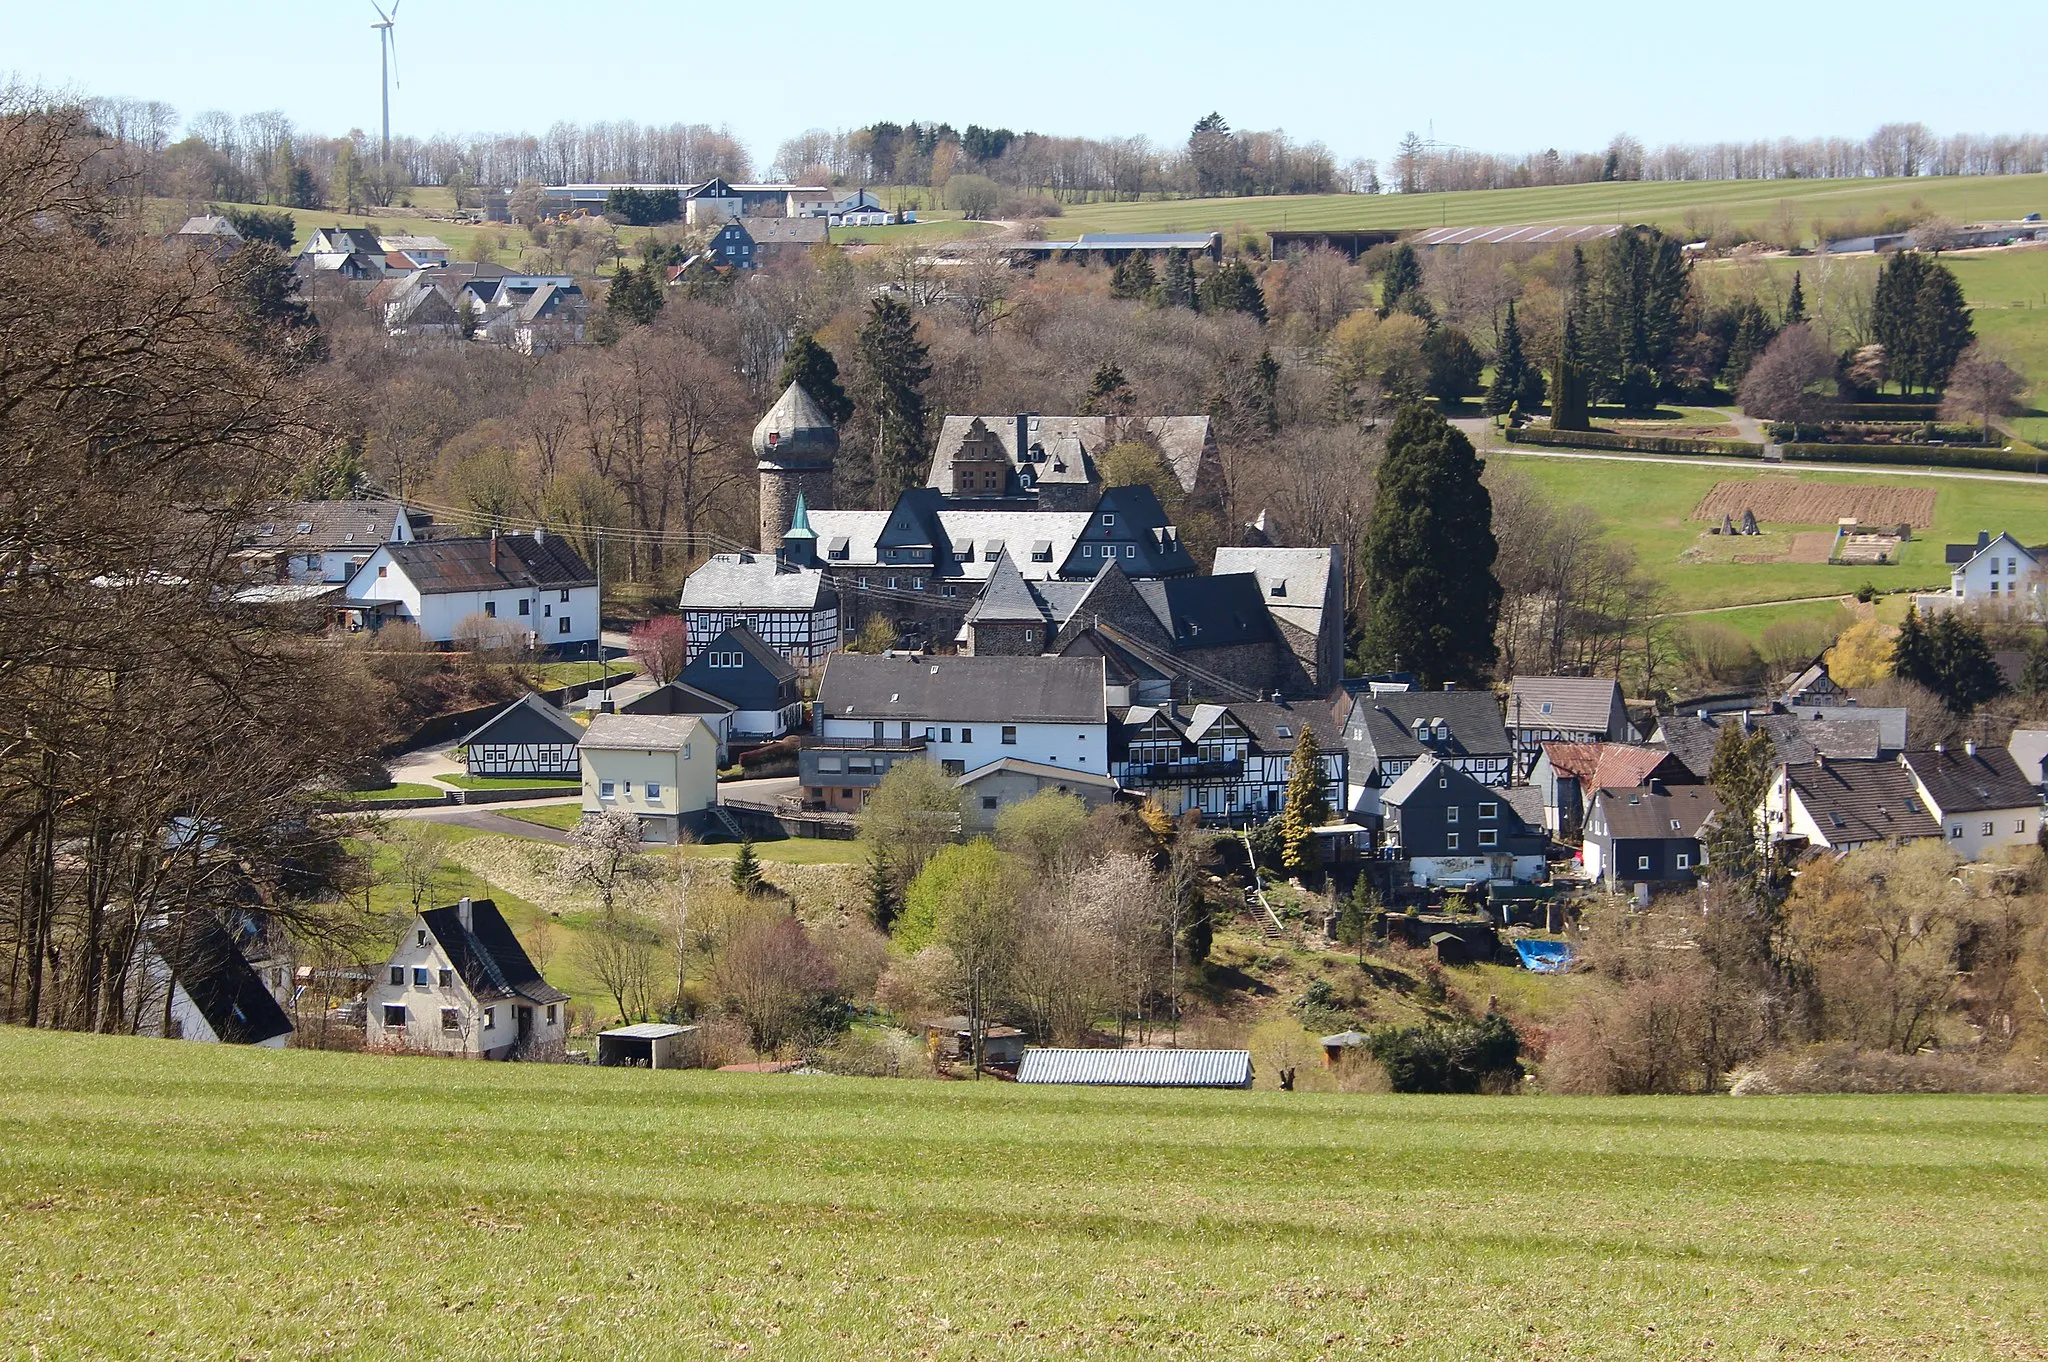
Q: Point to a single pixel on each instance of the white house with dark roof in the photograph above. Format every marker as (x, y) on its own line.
(794, 610)
(459, 983)
(326, 541)
(192, 980)
(1996, 574)
(536, 584)
(962, 712)
(661, 768)
(1984, 802)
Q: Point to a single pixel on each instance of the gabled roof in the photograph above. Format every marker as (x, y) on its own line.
(1295, 581)
(1861, 801)
(1648, 811)
(1007, 598)
(2028, 748)
(1126, 519)
(640, 732)
(1692, 738)
(2001, 544)
(1420, 773)
(443, 565)
(205, 961)
(1208, 612)
(975, 689)
(1383, 725)
(755, 581)
(306, 526)
(1065, 446)
(1609, 765)
(1066, 775)
(532, 708)
(1571, 703)
(487, 956)
(1276, 725)
(1982, 781)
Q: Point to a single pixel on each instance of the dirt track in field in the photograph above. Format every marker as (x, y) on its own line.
(1787, 501)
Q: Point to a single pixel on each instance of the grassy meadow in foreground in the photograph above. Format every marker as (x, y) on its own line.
(171, 1200)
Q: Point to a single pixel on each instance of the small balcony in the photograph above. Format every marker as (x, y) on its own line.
(1141, 773)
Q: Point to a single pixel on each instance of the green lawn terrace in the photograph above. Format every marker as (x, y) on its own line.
(187, 1200)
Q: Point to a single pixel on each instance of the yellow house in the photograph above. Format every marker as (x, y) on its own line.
(661, 768)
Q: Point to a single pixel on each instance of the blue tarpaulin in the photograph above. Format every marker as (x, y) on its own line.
(1545, 957)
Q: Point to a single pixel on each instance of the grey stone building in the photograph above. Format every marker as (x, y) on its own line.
(795, 444)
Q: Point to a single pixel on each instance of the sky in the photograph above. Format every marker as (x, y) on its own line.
(1508, 77)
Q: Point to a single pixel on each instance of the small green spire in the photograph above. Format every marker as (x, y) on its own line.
(800, 522)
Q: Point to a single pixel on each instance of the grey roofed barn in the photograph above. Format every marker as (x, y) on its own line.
(1295, 581)
(985, 689)
(1572, 704)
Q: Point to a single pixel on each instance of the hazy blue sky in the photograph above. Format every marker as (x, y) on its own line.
(1497, 76)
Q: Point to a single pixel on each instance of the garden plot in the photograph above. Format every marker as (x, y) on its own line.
(1792, 501)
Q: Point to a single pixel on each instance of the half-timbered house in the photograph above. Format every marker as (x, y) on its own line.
(528, 737)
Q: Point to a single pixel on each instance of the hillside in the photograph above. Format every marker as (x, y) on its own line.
(1745, 203)
(187, 1200)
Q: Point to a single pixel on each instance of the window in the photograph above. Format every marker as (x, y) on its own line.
(1087, 550)
(1009, 735)
(945, 735)
(1030, 635)
(1108, 518)
(383, 571)
(491, 609)
(1987, 829)
(447, 978)
(1443, 782)
(490, 1018)
(1642, 862)
(1489, 837)
(547, 611)
(1130, 550)
(966, 735)
(1955, 834)
(451, 1019)
(422, 937)
(892, 583)
(551, 1013)
(1684, 860)
(953, 768)
(394, 1016)
(830, 763)
(398, 976)
(1489, 810)
(917, 583)
(1451, 814)
(422, 978)
(988, 801)
(654, 787)
(525, 606)
(604, 789)
(2019, 825)
(1450, 841)
(863, 584)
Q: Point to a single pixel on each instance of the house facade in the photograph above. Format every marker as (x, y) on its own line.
(1653, 834)
(1997, 575)
(740, 668)
(1231, 763)
(1456, 832)
(794, 610)
(459, 983)
(327, 541)
(661, 768)
(986, 792)
(529, 737)
(1984, 802)
(536, 584)
(962, 712)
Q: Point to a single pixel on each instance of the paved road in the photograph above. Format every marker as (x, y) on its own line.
(1753, 466)
(1755, 605)
(483, 820)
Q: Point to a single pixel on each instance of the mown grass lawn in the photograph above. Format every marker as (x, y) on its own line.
(166, 1200)
(567, 784)
(404, 789)
(1646, 505)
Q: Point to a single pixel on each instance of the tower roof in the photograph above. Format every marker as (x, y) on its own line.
(800, 522)
(795, 430)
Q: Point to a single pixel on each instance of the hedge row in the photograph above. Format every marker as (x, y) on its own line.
(1932, 456)
(1884, 411)
(1917, 433)
(1641, 444)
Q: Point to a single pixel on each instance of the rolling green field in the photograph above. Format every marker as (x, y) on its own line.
(1646, 506)
(1746, 203)
(167, 1200)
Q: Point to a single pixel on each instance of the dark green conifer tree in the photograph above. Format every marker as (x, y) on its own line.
(811, 367)
(1177, 285)
(1133, 279)
(1795, 303)
(1508, 366)
(1232, 288)
(746, 869)
(895, 366)
(1401, 285)
(1432, 600)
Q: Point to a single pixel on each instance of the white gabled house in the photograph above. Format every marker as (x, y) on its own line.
(536, 584)
(1997, 574)
(459, 983)
(193, 981)
(327, 541)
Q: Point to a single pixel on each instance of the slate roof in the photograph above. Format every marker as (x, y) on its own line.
(487, 955)
(1973, 782)
(1647, 812)
(209, 225)
(642, 732)
(1265, 720)
(1074, 441)
(795, 429)
(1293, 581)
(1007, 598)
(1797, 741)
(1891, 720)
(755, 581)
(442, 565)
(857, 534)
(1527, 802)
(1384, 725)
(1862, 801)
(1570, 703)
(329, 525)
(205, 961)
(1138, 1068)
(1208, 612)
(528, 705)
(986, 689)
(2028, 747)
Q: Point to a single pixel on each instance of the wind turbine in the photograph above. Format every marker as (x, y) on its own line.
(387, 57)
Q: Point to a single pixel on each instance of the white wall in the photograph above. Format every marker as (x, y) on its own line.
(688, 778)
(439, 615)
(423, 1004)
(2002, 575)
(1084, 747)
(1963, 833)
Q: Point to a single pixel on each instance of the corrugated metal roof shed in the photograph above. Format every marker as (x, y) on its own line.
(1509, 235)
(1138, 1068)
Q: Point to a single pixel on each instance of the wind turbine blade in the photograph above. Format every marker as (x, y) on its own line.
(392, 38)
(394, 9)
(381, 14)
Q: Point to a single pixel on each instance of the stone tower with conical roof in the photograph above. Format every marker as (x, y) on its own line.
(794, 444)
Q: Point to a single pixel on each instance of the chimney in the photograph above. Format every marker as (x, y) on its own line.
(1450, 685)
(494, 550)
(1970, 748)
(1939, 748)
(465, 915)
(1820, 759)
(540, 534)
